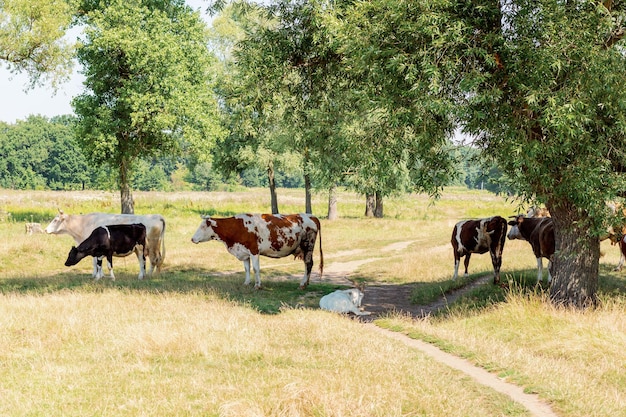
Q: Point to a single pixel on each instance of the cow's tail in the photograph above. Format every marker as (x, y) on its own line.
(162, 257)
(319, 233)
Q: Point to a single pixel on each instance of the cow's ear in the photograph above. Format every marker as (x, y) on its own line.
(60, 211)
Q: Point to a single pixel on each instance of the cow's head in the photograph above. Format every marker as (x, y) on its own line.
(74, 256)
(56, 225)
(205, 231)
(356, 296)
(514, 232)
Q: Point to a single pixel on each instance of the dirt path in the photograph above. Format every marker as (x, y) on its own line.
(379, 299)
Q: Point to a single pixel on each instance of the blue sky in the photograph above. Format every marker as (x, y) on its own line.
(17, 103)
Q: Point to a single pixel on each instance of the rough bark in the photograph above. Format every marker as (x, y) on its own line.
(126, 194)
(272, 184)
(378, 211)
(370, 205)
(333, 213)
(575, 267)
(307, 194)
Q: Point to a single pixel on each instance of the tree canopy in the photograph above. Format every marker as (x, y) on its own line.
(149, 85)
(32, 38)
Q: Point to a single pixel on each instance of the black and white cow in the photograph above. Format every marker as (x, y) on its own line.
(479, 236)
(80, 226)
(539, 232)
(114, 239)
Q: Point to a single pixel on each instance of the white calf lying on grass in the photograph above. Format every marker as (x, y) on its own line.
(344, 301)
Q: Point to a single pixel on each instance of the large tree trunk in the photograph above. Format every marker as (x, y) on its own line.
(272, 183)
(126, 194)
(370, 204)
(378, 211)
(308, 208)
(333, 213)
(575, 267)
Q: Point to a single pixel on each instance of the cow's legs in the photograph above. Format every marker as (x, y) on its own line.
(246, 267)
(496, 261)
(110, 265)
(308, 266)
(257, 271)
(540, 270)
(139, 251)
(620, 264)
(549, 274)
(99, 272)
(457, 261)
(94, 273)
(466, 263)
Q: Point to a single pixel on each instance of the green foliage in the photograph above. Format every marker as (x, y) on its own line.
(32, 38)
(39, 153)
(148, 80)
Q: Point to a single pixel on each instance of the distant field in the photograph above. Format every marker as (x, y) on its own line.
(195, 341)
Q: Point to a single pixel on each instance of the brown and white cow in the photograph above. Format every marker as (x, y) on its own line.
(114, 239)
(247, 236)
(81, 226)
(479, 236)
(539, 232)
(616, 231)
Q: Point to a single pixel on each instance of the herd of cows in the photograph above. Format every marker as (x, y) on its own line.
(248, 236)
(536, 227)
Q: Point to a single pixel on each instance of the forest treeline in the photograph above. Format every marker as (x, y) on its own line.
(41, 153)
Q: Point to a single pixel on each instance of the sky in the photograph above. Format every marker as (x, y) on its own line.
(17, 102)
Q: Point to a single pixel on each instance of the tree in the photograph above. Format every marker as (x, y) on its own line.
(39, 153)
(149, 85)
(400, 121)
(285, 76)
(540, 84)
(548, 108)
(32, 38)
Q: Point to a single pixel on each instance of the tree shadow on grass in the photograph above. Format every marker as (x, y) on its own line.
(524, 282)
(277, 293)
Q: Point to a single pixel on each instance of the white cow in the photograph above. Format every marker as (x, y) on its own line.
(344, 301)
(80, 227)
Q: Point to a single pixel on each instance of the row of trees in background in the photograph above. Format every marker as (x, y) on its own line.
(365, 94)
(42, 153)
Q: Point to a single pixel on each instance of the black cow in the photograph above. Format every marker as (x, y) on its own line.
(539, 232)
(115, 239)
(479, 236)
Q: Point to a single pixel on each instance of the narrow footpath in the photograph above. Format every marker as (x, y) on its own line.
(379, 299)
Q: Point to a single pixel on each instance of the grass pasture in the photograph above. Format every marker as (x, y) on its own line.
(195, 342)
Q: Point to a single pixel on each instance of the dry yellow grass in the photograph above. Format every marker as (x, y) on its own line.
(69, 346)
(132, 354)
(574, 359)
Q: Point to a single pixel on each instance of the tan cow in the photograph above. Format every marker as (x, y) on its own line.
(80, 227)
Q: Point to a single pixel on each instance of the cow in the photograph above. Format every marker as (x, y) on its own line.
(81, 226)
(32, 228)
(622, 249)
(247, 236)
(479, 236)
(114, 239)
(616, 230)
(539, 232)
(344, 301)
(535, 211)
